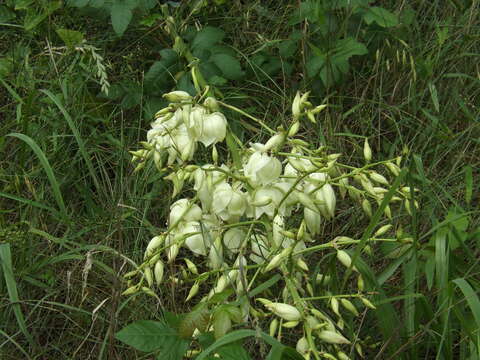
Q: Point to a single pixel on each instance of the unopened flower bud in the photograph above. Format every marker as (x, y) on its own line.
(193, 291)
(285, 311)
(367, 151)
(211, 104)
(332, 337)
(148, 275)
(302, 346)
(177, 96)
(347, 304)
(382, 230)
(158, 271)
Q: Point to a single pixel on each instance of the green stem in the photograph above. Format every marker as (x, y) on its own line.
(231, 107)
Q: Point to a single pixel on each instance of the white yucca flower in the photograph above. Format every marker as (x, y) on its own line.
(313, 220)
(182, 145)
(262, 169)
(228, 204)
(195, 120)
(205, 182)
(184, 210)
(213, 129)
(195, 240)
(233, 239)
(266, 200)
(327, 199)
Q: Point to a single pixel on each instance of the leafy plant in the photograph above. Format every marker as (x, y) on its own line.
(257, 206)
(337, 31)
(121, 12)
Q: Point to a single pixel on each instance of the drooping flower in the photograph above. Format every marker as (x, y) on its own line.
(267, 199)
(228, 204)
(182, 145)
(327, 199)
(213, 129)
(233, 238)
(184, 210)
(313, 220)
(262, 169)
(195, 240)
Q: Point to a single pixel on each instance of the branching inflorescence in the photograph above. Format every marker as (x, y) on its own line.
(260, 212)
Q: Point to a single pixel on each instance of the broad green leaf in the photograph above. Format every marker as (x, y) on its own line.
(121, 15)
(348, 47)
(221, 323)
(160, 73)
(34, 17)
(148, 336)
(227, 339)
(287, 48)
(381, 16)
(70, 37)
(196, 319)
(229, 66)
(216, 80)
(281, 352)
(234, 351)
(207, 37)
(314, 65)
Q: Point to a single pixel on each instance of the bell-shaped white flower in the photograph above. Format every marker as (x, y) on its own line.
(213, 129)
(206, 179)
(233, 239)
(195, 239)
(195, 120)
(291, 195)
(262, 169)
(275, 141)
(184, 210)
(182, 145)
(317, 178)
(290, 174)
(266, 200)
(313, 220)
(227, 203)
(327, 199)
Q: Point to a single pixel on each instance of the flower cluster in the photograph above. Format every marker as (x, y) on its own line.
(261, 214)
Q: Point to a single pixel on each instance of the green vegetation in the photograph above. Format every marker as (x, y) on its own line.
(80, 82)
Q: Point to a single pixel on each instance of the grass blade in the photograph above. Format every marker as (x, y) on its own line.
(468, 184)
(6, 261)
(48, 170)
(471, 297)
(76, 134)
